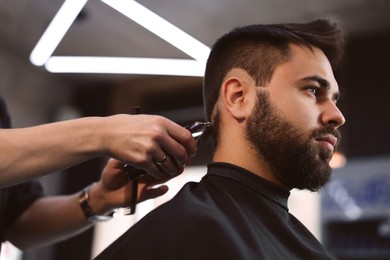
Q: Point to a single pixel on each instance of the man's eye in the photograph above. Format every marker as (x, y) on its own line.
(313, 90)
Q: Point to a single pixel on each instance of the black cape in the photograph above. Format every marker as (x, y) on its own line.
(230, 214)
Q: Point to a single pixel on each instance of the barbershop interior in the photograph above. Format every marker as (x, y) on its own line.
(105, 58)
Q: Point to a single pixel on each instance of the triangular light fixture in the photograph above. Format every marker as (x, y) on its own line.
(42, 52)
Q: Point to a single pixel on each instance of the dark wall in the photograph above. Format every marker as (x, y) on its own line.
(365, 90)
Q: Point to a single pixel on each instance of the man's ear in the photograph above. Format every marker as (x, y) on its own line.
(235, 94)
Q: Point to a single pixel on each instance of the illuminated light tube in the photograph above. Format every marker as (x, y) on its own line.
(162, 28)
(56, 31)
(120, 65)
(141, 15)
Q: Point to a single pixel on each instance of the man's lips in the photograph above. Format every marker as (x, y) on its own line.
(328, 141)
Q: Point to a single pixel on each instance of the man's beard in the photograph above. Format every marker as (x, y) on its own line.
(294, 158)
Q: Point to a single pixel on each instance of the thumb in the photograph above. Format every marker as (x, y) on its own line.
(153, 193)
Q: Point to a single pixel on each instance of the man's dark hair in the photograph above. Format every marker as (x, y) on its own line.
(258, 49)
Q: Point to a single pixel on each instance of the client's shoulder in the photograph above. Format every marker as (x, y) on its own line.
(192, 202)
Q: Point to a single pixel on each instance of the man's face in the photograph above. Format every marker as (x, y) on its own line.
(293, 125)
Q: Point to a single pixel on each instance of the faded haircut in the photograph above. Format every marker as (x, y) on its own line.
(259, 49)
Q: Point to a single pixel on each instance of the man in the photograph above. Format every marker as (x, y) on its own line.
(270, 94)
(28, 219)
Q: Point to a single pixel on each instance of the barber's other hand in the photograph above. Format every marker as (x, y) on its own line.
(144, 141)
(114, 191)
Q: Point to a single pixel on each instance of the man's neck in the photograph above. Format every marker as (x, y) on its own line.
(244, 157)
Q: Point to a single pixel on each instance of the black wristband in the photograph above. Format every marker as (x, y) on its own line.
(87, 210)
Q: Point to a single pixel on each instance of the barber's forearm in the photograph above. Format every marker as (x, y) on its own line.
(136, 139)
(32, 152)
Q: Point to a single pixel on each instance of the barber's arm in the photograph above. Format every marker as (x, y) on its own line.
(139, 140)
(54, 218)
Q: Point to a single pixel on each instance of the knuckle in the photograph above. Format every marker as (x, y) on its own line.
(140, 161)
(147, 148)
(156, 132)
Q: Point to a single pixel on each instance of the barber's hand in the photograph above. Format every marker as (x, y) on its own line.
(151, 143)
(114, 191)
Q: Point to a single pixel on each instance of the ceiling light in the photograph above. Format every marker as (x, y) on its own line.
(120, 65)
(56, 31)
(162, 28)
(41, 54)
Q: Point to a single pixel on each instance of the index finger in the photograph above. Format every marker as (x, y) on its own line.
(181, 145)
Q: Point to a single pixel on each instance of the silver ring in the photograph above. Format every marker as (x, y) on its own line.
(162, 161)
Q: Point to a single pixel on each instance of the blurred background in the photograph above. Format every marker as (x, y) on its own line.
(351, 216)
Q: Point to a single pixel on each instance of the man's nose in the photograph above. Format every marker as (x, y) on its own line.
(332, 115)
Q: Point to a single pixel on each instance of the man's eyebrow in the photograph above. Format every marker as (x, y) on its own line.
(323, 84)
(321, 81)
